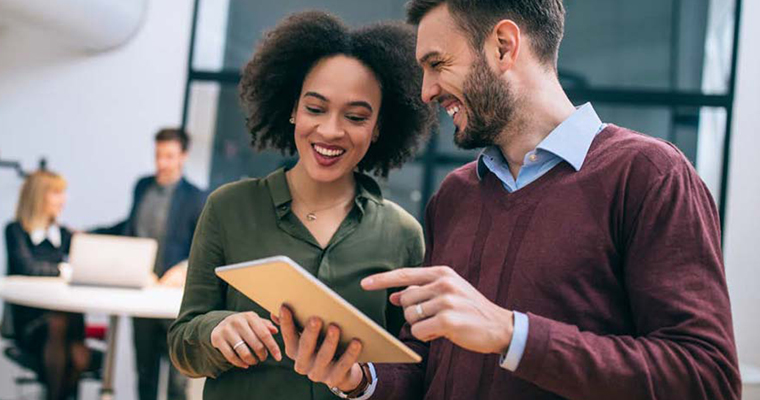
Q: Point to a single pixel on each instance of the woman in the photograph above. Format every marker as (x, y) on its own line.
(36, 244)
(344, 100)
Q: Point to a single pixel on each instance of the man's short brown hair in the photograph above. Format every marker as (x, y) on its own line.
(542, 20)
(179, 135)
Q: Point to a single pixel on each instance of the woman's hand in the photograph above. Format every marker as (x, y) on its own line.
(318, 362)
(245, 339)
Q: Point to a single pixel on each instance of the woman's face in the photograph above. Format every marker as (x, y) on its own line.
(336, 117)
(55, 199)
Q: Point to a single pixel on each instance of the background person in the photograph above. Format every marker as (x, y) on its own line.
(36, 243)
(166, 207)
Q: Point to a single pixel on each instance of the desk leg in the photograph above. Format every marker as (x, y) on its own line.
(106, 389)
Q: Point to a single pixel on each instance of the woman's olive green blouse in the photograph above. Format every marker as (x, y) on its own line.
(252, 219)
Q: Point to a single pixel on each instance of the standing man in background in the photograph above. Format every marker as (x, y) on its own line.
(166, 207)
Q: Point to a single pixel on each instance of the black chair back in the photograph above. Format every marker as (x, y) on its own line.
(6, 327)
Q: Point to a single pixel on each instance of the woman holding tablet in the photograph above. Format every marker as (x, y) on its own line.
(347, 101)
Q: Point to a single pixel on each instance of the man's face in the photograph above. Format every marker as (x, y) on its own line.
(461, 81)
(170, 160)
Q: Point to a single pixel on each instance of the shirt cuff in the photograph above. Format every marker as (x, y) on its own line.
(511, 360)
(370, 389)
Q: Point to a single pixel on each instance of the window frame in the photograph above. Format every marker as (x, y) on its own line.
(431, 159)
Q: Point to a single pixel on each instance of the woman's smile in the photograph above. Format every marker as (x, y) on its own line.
(327, 155)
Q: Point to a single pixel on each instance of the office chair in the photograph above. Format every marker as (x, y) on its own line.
(31, 364)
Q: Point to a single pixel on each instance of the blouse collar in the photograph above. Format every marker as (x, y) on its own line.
(52, 234)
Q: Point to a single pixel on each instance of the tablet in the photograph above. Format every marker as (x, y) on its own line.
(274, 281)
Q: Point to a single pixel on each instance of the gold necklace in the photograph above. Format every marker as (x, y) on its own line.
(312, 215)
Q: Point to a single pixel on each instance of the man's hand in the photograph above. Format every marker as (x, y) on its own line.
(438, 302)
(175, 276)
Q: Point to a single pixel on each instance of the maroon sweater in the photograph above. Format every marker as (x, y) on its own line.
(618, 267)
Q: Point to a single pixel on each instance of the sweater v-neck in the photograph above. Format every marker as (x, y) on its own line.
(497, 196)
(491, 187)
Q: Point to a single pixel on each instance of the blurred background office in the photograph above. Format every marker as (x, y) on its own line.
(87, 85)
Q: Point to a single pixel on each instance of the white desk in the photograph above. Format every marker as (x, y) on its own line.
(55, 294)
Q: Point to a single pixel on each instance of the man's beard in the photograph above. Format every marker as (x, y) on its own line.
(489, 105)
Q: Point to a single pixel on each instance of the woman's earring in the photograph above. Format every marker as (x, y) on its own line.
(292, 120)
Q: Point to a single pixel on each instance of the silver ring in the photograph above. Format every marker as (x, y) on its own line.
(238, 344)
(420, 312)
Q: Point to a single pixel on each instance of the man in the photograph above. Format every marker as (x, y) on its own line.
(572, 260)
(166, 207)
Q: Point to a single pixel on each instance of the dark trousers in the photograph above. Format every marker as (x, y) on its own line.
(150, 347)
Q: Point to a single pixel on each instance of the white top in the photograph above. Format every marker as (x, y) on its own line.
(52, 233)
(53, 293)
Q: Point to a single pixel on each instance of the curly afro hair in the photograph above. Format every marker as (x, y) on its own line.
(272, 81)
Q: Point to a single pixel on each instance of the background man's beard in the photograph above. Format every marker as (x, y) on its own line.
(489, 105)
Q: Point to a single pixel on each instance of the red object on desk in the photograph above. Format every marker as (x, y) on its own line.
(96, 331)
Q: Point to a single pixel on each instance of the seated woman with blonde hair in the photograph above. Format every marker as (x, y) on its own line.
(36, 244)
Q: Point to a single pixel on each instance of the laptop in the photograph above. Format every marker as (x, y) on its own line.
(105, 260)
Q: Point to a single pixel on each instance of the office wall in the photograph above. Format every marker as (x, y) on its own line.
(93, 117)
(743, 212)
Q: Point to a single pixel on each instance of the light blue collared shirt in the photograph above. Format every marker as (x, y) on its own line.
(568, 142)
